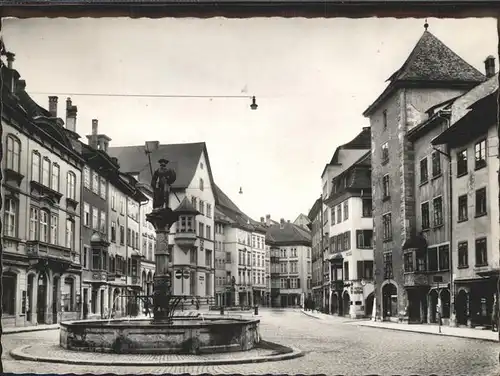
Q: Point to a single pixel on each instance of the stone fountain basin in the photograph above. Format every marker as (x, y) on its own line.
(183, 336)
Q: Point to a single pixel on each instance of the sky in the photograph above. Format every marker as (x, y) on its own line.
(312, 79)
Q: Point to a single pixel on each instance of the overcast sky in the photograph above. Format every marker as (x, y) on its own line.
(313, 78)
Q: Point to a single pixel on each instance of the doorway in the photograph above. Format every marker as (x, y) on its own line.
(41, 300)
(29, 311)
(461, 308)
(369, 304)
(55, 299)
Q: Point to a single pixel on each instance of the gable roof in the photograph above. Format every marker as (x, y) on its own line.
(288, 234)
(430, 61)
(315, 209)
(184, 158)
(362, 141)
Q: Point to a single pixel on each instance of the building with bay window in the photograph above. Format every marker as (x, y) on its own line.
(41, 208)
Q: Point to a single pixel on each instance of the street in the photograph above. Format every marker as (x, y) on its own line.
(332, 346)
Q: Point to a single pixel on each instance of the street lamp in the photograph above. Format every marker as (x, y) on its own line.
(254, 105)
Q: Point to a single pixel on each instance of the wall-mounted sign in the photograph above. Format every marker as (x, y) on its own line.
(202, 277)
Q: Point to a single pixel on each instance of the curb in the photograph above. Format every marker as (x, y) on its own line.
(28, 330)
(311, 315)
(19, 354)
(432, 334)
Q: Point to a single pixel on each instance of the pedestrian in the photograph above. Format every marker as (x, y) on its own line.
(146, 308)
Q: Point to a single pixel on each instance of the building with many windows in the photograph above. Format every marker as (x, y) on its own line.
(317, 260)
(291, 268)
(351, 232)
(472, 144)
(422, 82)
(41, 209)
(191, 238)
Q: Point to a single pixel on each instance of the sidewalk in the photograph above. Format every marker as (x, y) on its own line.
(325, 316)
(484, 335)
(22, 329)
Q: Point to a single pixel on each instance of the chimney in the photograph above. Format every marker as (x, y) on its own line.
(70, 115)
(103, 142)
(21, 86)
(268, 219)
(10, 59)
(93, 137)
(262, 220)
(282, 223)
(489, 66)
(53, 106)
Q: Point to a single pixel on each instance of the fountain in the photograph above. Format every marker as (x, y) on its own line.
(165, 333)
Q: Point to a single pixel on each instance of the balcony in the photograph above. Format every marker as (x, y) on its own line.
(99, 277)
(135, 280)
(42, 254)
(425, 278)
(185, 239)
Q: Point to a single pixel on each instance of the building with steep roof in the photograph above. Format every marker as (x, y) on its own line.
(343, 157)
(290, 263)
(432, 74)
(41, 209)
(318, 264)
(303, 220)
(195, 182)
(351, 250)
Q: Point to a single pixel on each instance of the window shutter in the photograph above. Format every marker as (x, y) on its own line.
(360, 270)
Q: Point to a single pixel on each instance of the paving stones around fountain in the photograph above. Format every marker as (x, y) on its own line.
(55, 354)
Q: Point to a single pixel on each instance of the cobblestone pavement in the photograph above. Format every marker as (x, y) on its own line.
(331, 348)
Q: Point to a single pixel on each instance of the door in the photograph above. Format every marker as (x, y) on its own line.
(29, 311)
(41, 301)
(102, 303)
(85, 303)
(55, 300)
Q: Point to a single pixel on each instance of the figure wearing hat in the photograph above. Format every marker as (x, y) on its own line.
(161, 181)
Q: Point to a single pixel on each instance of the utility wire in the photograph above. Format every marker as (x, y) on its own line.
(143, 95)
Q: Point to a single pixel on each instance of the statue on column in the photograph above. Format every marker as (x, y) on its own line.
(161, 182)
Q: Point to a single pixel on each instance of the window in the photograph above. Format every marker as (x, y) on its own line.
(365, 269)
(367, 207)
(208, 233)
(10, 217)
(420, 255)
(194, 202)
(71, 185)
(55, 177)
(408, 262)
(332, 216)
(437, 204)
(388, 265)
(347, 240)
(209, 210)
(95, 219)
(95, 182)
(425, 215)
(34, 218)
(462, 208)
(424, 172)
(102, 226)
(122, 205)
(480, 202)
(444, 257)
(96, 259)
(86, 177)
(54, 232)
(202, 207)
(364, 238)
(339, 214)
(463, 255)
(122, 235)
(481, 255)
(9, 293)
(112, 194)
(86, 214)
(44, 226)
(480, 154)
(102, 189)
(68, 294)
(462, 163)
(35, 166)
(46, 172)
(201, 229)
(346, 210)
(13, 153)
(385, 153)
(386, 187)
(436, 164)
(208, 258)
(201, 184)
(432, 259)
(384, 118)
(70, 234)
(387, 223)
(185, 224)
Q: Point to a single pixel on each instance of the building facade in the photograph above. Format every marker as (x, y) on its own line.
(351, 233)
(315, 216)
(41, 199)
(472, 142)
(421, 83)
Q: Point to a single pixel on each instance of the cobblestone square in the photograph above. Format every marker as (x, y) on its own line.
(334, 346)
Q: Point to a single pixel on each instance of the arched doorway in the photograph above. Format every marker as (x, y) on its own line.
(334, 304)
(445, 303)
(461, 307)
(56, 298)
(433, 302)
(29, 308)
(389, 300)
(369, 304)
(346, 303)
(41, 299)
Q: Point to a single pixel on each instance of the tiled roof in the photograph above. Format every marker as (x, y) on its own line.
(289, 234)
(184, 158)
(314, 210)
(358, 177)
(185, 207)
(361, 141)
(432, 60)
